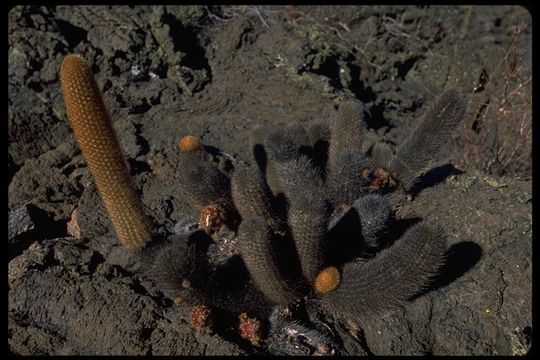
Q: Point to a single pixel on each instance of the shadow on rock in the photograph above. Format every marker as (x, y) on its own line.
(29, 223)
(460, 258)
(434, 177)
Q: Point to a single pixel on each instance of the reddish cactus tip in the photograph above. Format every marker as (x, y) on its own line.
(212, 218)
(201, 317)
(250, 329)
(189, 143)
(382, 179)
(327, 280)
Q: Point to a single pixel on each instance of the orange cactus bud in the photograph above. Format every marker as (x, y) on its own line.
(189, 143)
(327, 280)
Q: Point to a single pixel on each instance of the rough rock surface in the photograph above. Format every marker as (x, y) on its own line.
(218, 73)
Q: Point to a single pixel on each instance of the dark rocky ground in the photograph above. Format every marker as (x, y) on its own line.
(217, 73)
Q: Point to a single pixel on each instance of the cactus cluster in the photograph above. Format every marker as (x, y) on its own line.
(312, 225)
(304, 222)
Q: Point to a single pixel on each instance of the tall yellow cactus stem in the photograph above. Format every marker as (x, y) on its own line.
(97, 140)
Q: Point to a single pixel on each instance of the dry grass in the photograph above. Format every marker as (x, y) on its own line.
(497, 136)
